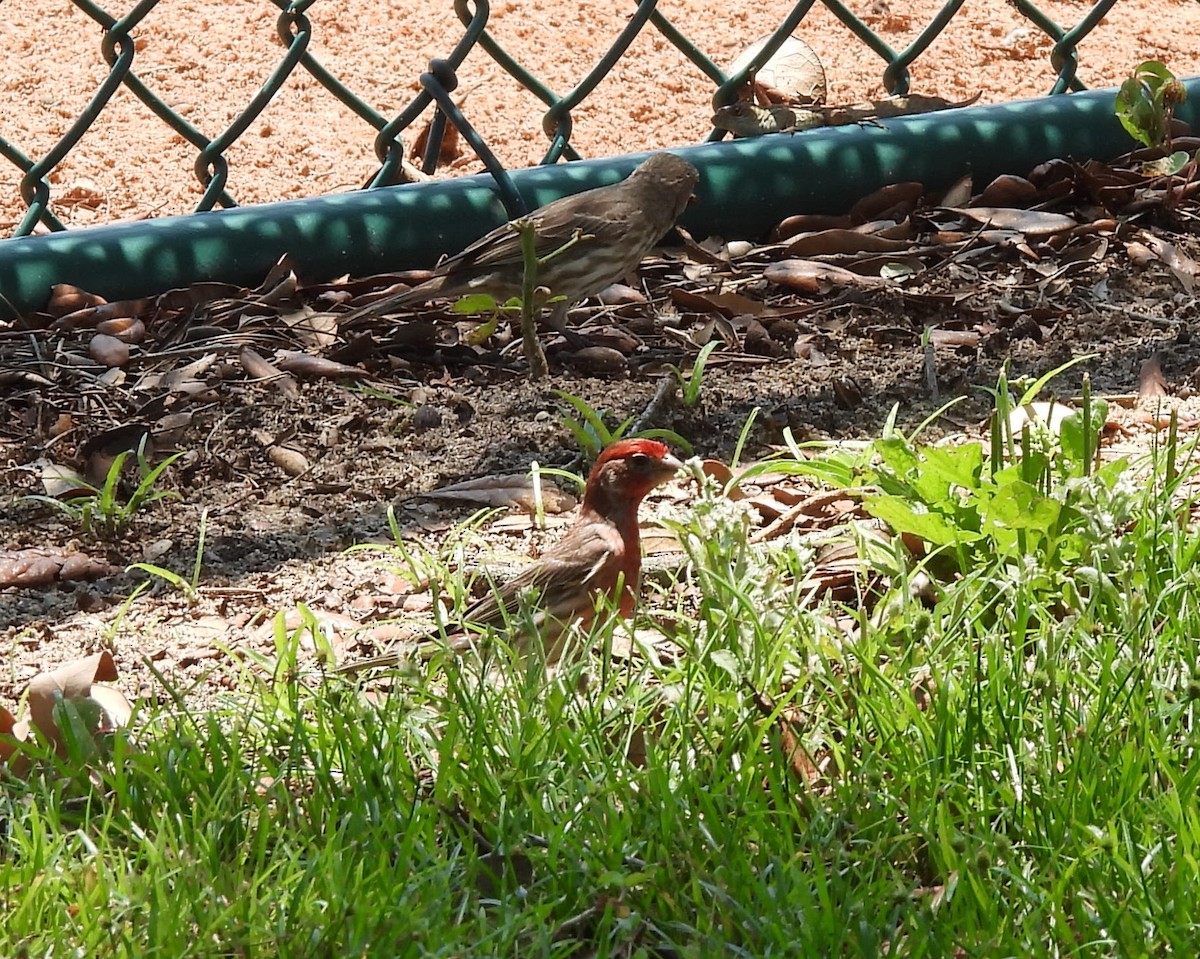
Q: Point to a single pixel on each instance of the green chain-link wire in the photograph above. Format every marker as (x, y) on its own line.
(438, 82)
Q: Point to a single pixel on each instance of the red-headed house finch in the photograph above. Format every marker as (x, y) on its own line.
(613, 227)
(599, 554)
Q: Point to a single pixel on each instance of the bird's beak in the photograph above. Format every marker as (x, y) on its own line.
(671, 465)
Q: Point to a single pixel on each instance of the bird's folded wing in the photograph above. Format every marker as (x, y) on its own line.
(561, 587)
(502, 247)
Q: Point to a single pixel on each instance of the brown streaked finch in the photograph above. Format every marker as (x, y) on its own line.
(599, 555)
(603, 234)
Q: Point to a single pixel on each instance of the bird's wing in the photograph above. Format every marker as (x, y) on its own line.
(561, 584)
(557, 223)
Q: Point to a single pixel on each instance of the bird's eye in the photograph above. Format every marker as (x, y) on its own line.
(640, 462)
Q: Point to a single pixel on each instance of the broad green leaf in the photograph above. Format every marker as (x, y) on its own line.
(904, 518)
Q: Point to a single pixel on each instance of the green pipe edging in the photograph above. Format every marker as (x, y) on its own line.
(746, 187)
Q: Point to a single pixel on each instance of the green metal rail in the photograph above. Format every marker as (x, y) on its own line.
(746, 187)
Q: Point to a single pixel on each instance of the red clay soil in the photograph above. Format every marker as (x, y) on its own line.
(207, 61)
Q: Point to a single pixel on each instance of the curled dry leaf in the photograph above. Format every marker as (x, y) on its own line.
(62, 482)
(794, 69)
(102, 708)
(811, 276)
(809, 223)
(1040, 415)
(720, 472)
(42, 566)
(127, 329)
(108, 350)
(258, 368)
(514, 490)
(1006, 190)
(450, 147)
(315, 367)
(291, 461)
(65, 298)
(96, 316)
(1152, 384)
(597, 359)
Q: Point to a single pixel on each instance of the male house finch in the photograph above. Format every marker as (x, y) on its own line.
(599, 554)
(612, 227)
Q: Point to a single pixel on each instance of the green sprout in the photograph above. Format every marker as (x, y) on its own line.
(99, 510)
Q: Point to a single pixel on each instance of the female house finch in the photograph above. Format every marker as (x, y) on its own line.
(612, 227)
(599, 554)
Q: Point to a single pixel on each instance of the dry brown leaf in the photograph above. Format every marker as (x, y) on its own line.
(597, 359)
(811, 276)
(258, 368)
(291, 461)
(1028, 222)
(1185, 269)
(786, 723)
(723, 475)
(513, 490)
(108, 350)
(315, 367)
(1152, 384)
(100, 314)
(198, 294)
(1039, 415)
(315, 330)
(816, 511)
(62, 482)
(954, 338)
(75, 682)
(65, 298)
(1006, 190)
(809, 223)
(13, 732)
(794, 69)
(914, 103)
(727, 304)
(620, 294)
(829, 242)
(129, 329)
(450, 147)
(42, 566)
(892, 202)
(959, 192)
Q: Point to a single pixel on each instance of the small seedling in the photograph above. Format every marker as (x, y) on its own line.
(99, 511)
(186, 586)
(590, 431)
(691, 383)
(1146, 104)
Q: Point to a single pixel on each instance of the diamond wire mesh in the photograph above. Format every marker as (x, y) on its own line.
(118, 47)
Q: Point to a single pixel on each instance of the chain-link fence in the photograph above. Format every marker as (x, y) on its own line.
(47, 195)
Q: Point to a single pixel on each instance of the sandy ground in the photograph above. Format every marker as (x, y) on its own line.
(206, 61)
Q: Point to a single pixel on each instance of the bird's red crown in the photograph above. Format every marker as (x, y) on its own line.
(624, 448)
